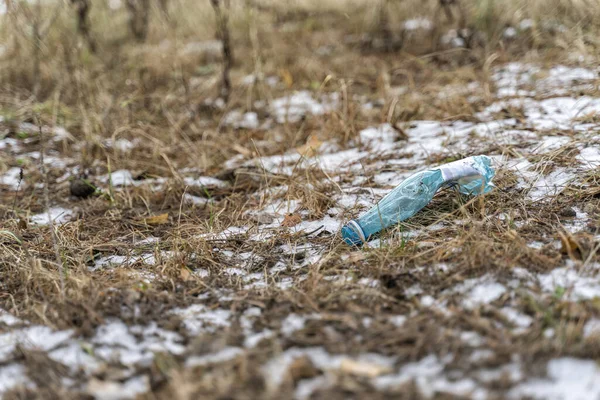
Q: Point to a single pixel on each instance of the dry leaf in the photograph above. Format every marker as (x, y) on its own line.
(157, 219)
(241, 150)
(366, 369)
(356, 256)
(185, 274)
(570, 246)
(291, 220)
(310, 148)
(286, 75)
(302, 368)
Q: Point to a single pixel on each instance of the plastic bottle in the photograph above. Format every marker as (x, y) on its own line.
(472, 175)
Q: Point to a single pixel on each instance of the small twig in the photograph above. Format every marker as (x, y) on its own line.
(590, 256)
(306, 234)
(47, 205)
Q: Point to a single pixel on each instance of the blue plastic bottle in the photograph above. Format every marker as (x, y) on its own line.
(471, 175)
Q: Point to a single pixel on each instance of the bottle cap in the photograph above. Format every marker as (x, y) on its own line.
(353, 234)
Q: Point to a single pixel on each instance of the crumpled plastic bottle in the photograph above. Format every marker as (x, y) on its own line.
(471, 175)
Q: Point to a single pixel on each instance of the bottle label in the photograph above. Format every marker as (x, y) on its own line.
(458, 169)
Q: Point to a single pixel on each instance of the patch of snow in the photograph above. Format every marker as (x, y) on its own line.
(121, 177)
(197, 318)
(73, 356)
(112, 390)
(204, 181)
(526, 24)
(418, 23)
(113, 260)
(516, 318)
(513, 78)
(509, 33)
(591, 328)
(568, 378)
(292, 108)
(32, 338)
(453, 39)
(427, 301)
(9, 319)
(122, 145)
(116, 341)
(479, 291)
(148, 240)
(115, 4)
(276, 369)
(11, 177)
(253, 339)
(13, 376)
(379, 138)
(397, 320)
(206, 46)
(577, 286)
(549, 143)
(306, 387)
(195, 200)
(541, 187)
(247, 120)
(590, 157)
(224, 355)
(293, 323)
(430, 380)
(471, 338)
(481, 355)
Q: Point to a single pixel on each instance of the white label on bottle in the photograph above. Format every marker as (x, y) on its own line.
(458, 169)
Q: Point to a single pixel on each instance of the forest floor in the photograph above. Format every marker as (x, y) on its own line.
(209, 263)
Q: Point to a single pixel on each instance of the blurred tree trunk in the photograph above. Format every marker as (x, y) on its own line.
(139, 14)
(83, 22)
(37, 48)
(164, 8)
(222, 8)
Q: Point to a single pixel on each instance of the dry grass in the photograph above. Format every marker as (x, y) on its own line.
(161, 93)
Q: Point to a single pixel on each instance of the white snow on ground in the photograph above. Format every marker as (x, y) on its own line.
(275, 370)
(418, 23)
(377, 159)
(540, 186)
(478, 291)
(226, 354)
(9, 319)
(428, 375)
(238, 119)
(31, 338)
(590, 156)
(522, 321)
(59, 215)
(576, 285)
(111, 390)
(12, 376)
(121, 177)
(522, 79)
(294, 107)
(203, 181)
(591, 328)
(11, 178)
(197, 318)
(568, 379)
